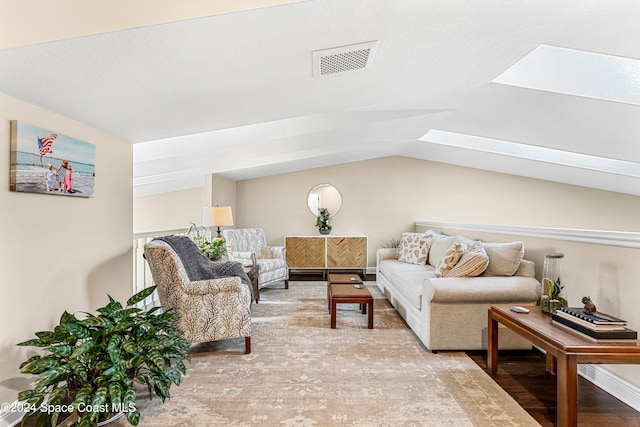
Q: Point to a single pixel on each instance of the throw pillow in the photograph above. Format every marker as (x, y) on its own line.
(504, 258)
(450, 258)
(414, 248)
(474, 262)
(438, 247)
(435, 234)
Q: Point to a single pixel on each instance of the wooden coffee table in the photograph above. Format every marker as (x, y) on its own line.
(565, 350)
(335, 278)
(349, 294)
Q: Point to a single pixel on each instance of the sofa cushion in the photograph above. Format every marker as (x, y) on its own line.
(414, 248)
(527, 268)
(391, 267)
(450, 258)
(504, 258)
(409, 285)
(473, 262)
(482, 289)
(439, 246)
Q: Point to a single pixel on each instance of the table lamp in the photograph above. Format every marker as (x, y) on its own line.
(217, 216)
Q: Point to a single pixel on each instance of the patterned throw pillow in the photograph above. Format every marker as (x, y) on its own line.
(450, 258)
(474, 262)
(504, 258)
(414, 248)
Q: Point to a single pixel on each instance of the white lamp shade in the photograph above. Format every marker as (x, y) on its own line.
(217, 216)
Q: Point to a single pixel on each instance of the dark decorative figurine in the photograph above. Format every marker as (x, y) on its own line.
(589, 307)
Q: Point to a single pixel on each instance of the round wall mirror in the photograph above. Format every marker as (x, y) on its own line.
(324, 196)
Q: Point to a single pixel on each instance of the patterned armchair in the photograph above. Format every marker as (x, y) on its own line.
(210, 310)
(249, 246)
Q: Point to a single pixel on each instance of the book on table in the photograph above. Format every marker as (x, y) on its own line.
(624, 334)
(597, 318)
(587, 324)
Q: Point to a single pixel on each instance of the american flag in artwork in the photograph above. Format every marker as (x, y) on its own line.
(44, 144)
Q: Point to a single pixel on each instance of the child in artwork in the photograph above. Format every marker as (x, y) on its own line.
(50, 177)
(60, 174)
(67, 185)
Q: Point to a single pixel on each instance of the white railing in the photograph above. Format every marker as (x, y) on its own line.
(141, 273)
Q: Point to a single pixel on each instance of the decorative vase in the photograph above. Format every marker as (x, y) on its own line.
(554, 290)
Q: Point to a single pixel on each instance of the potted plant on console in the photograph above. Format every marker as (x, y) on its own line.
(214, 249)
(323, 221)
(94, 362)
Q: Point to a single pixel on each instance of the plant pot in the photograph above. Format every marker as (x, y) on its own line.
(110, 420)
(325, 230)
(74, 417)
(548, 305)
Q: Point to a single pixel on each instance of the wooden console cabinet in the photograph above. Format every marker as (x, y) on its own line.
(326, 252)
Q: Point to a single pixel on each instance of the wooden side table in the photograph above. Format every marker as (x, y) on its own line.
(565, 348)
(252, 272)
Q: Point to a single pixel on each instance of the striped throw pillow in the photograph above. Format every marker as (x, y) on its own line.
(472, 263)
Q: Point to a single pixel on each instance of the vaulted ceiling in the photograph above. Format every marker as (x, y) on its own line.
(545, 89)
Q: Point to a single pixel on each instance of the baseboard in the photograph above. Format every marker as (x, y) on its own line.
(10, 419)
(612, 384)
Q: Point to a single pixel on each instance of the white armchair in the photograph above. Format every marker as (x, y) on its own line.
(249, 246)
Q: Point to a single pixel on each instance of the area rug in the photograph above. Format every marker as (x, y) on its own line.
(302, 373)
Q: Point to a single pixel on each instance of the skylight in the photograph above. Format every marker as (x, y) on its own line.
(576, 72)
(533, 152)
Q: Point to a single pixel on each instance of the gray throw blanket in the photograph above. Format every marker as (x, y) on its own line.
(199, 267)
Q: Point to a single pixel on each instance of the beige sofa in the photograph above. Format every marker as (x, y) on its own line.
(449, 312)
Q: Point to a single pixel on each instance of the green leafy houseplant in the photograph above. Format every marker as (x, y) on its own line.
(212, 249)
(555, 300)
(323, 221)
(92, 365)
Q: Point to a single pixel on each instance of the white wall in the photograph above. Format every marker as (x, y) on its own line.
(171, 211)
(384, 197)
(223, 193)
(59, 253)
(177, 209)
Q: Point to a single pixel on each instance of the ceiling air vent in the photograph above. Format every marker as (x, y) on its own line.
(346, 58)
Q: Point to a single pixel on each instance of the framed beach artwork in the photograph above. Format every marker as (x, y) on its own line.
(47, 162)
